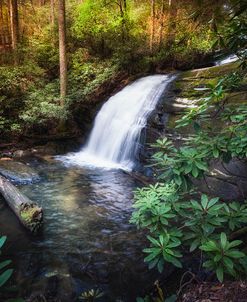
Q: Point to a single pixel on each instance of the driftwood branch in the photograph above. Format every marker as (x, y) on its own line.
(29, 213)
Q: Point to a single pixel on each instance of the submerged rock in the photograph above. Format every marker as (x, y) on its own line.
(18, 172)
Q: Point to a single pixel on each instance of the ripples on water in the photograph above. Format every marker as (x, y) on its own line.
(87, 241)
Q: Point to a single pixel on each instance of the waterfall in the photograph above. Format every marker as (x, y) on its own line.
(115, 138)
(229, 59)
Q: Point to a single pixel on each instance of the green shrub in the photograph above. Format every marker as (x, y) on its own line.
(177, 221)
(5, 274)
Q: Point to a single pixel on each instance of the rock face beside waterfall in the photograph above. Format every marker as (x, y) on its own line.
(228, 181)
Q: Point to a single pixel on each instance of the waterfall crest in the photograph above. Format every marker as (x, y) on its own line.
(115, 137)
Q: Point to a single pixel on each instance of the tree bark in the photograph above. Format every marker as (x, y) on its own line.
(52, 22)
(172, 23)
(14, 20)
(29, 214)
(52, 14)
(62, 50)
(152, 25)
(162, 13)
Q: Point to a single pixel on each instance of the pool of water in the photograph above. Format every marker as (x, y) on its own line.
(86, 241)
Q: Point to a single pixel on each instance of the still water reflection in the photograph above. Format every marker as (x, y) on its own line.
(87, 241)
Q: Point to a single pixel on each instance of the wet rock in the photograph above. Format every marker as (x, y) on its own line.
(179, 105)
(21, 153)
(18, 172)
(227, 181)
(220, 188)
(50, 148)
(55, 148)
(237, 168)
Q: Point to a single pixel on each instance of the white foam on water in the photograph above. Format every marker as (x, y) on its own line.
(115, 138)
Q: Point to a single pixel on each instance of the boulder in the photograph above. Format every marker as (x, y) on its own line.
(18, 172)
(21, 153)
(227, 181)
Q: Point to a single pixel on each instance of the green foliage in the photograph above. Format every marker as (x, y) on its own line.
(91, 295)
(223, 256)
(177, 220)
(86, 78)
(162, 249)
(5, 274)
(211, 140)
(16, 80)
(15, 84)
(179, 164)
(101, 26)
(43, 107)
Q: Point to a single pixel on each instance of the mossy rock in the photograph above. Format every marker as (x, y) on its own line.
(187, 81)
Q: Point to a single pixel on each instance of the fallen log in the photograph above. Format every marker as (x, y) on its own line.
(29, 213)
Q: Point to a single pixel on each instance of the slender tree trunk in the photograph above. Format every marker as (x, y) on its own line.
(162, 12)
(7, 21)
(14, 23)
(52, 21)
(172, 23)
(152, 29)
(62, 50)
(2, 27)
(123, 13)
(52, 13)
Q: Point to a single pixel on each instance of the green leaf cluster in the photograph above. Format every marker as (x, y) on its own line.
(5, 274)
(178, 218)
(224, 256)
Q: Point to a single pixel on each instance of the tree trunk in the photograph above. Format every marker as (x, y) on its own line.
(123, 13)
(152, 25)
(172, 23)
(52, 22)
(52, 14)
(29, 214)
(2, 26)
(162, 12)
(14, 20)
(62, 50)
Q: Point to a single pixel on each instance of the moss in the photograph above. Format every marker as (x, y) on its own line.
(172, 121)
(184, 87)
(189, 80)
(238, 97)
(27, 214)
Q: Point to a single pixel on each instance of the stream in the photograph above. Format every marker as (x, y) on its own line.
(86, 242)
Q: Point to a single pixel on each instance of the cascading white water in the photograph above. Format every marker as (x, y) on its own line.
(229, 59)
(115, 137)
